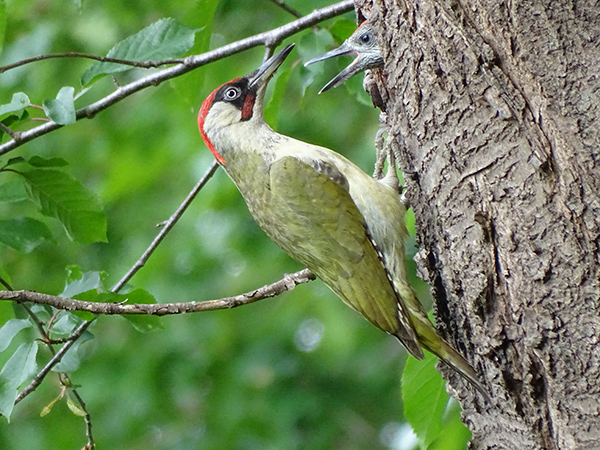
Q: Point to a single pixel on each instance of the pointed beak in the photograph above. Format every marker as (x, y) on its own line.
(364, 60)
(353, 68)
(343, 49)
(264, 73)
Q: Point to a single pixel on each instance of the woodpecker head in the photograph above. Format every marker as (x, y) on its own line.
(363, 43)
(240, 100)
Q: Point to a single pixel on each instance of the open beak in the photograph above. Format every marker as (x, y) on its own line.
(264, 73)
(358, 65)
(352, 69)
(343, 49)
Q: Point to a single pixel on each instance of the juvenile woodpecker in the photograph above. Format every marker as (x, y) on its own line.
(362, 43)
(323, 211)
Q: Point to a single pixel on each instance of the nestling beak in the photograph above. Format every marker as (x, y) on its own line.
(363, 44)
(343, 49)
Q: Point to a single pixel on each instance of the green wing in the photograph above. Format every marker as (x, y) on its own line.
(313, 218)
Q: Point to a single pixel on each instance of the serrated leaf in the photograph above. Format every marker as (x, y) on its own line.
(75, 409)
(20, 366)
(10, 329)
(61, 196)
(454, 435)
(18, 102)
(24, 234)
(38, 161)
(164, 39)
(424, 398)
(62, 108)
(13, 191)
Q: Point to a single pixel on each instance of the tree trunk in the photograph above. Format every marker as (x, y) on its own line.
(494, 107)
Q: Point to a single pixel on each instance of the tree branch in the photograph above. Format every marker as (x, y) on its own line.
(269, 39)
(126, 62)
(289, 282)
(55, 359)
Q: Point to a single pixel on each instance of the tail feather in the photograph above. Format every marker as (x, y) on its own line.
(432, 341)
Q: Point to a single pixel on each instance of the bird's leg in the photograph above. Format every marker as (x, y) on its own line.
(381, 146)
(387, 149)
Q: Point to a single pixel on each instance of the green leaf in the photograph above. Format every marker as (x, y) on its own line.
(342, 29)
(425, 398)
(454, 435)
(15, 160)
(272, 109)
(20, 366)
(354, 86)
(79, 282)
(18, 102)
(2, 23)
(62, 196)
(189, 86)
(164, 39)
(62, 108)
(66, 324)
(72, 359)
(38, 161)
(142, 323)
(10, 329)
(24, 234)
(312, 45)
(75, 409)
(13, 191)
(74, 272)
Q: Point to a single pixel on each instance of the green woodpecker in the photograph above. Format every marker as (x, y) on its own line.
(362, 43)
(322, 210)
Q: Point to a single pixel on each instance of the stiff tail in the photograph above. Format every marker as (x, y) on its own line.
(430, 340)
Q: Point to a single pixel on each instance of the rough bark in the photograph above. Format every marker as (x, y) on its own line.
(495, 109)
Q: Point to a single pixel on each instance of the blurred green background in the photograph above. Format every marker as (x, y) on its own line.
(301, 371)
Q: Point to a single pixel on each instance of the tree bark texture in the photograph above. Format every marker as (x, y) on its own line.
(494, 107)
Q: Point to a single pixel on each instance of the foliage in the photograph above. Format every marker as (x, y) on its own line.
(300, 371)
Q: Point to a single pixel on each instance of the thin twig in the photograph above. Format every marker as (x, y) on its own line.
(87, 418)
(5, 284)
(54, 361)
(270, 38)
(66, 381)
(13, 134)
(126, 62)
(289, 282)
(286, 7)
(167, 227)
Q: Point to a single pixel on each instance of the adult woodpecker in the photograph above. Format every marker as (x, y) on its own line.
(322, 210)
(362, 43)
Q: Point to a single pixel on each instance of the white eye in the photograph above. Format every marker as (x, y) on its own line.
(232, 93)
